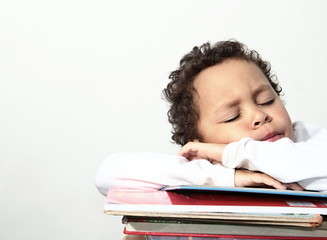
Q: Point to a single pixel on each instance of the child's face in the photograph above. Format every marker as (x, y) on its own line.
(236, 100)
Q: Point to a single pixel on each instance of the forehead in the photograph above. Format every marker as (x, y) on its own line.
(228, 77)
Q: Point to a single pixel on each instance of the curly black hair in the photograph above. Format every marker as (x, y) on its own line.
(183, 113)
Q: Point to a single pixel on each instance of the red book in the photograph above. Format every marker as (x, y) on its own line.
(210, 199)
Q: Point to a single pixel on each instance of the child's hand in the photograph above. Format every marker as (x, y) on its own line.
(197, 150)
(246, 178)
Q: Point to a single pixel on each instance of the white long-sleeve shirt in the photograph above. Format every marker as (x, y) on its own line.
(125, 170)
(303, 160)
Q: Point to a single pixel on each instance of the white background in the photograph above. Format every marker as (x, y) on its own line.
(80, 80)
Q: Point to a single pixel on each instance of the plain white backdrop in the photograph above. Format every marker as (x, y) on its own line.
(80, 80)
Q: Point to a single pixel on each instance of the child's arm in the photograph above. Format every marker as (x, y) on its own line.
(213, 153)
(160, 169)
(155, 170)
(303, 161)
(284, 160)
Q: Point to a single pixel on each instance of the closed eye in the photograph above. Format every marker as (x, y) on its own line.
(233, 118)
(268, 103)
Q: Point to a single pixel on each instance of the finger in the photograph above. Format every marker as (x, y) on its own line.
(186, 149)
(269, 181)
(190, 154)
(294, 186)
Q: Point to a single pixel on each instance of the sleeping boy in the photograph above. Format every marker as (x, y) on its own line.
(233, 127)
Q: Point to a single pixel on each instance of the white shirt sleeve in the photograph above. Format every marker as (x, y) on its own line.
(159, 168)
(303, 161)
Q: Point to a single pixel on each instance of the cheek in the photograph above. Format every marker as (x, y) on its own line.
(224, 135)
(237, 133)
(284, 120)
(282, 114)
(211, 134)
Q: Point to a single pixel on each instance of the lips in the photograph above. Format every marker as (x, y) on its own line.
(272, 137)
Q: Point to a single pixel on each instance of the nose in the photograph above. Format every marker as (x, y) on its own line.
(260, 118)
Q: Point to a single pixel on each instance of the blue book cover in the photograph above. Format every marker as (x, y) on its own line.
(245, 190)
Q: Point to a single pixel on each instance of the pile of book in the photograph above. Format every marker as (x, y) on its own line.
(212, 213)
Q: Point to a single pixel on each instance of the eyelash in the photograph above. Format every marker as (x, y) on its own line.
(233, 118)
(268, 103)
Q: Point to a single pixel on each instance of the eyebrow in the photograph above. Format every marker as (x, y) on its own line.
(262, 88)
(227, 105)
